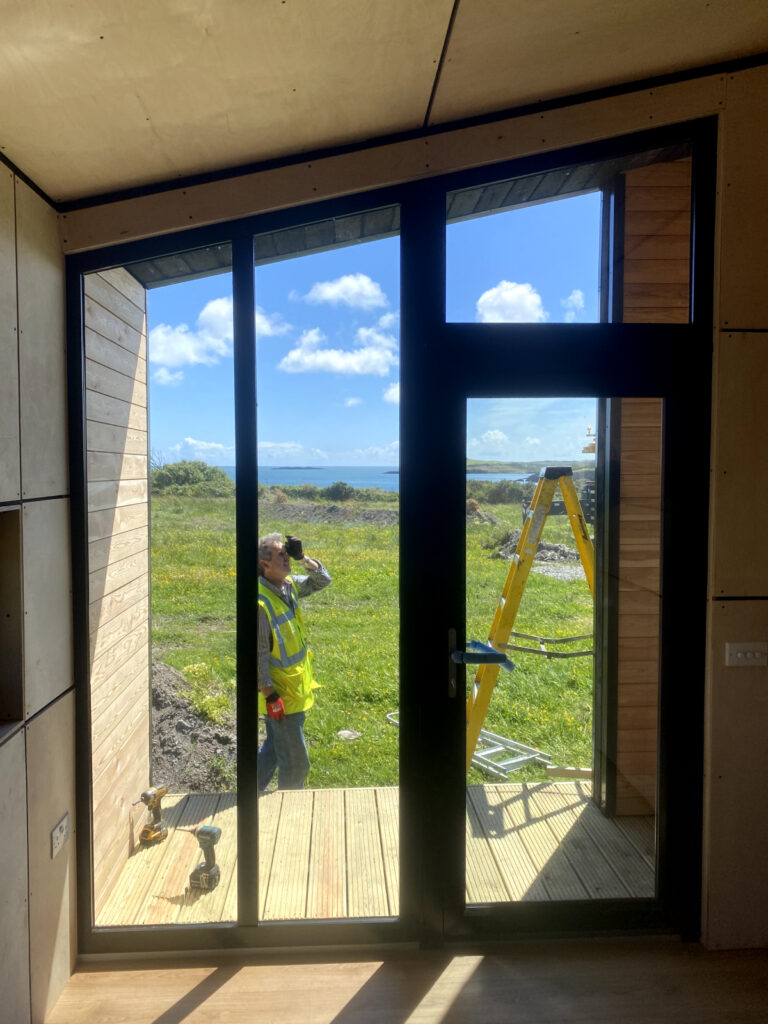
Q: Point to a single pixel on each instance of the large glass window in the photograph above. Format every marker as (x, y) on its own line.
(328, 393)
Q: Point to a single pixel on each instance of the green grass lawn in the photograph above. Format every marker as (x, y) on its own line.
(353, 628)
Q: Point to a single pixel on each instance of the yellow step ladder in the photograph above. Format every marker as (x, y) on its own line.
(550, 478)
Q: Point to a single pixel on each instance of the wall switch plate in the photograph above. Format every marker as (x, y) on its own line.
(59, 835)
(747, 655)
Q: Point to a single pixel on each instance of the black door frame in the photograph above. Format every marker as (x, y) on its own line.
(600, 360)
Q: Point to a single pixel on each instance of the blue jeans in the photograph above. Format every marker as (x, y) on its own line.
(285, 751)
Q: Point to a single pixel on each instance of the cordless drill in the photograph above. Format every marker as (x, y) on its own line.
(154, 831)
(206, 875)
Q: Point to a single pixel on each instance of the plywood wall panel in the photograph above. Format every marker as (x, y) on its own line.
(48, 665)
(14, 893)
(388, 164)
(52, 909)
(735, 822)
(42, 348)
(10, 467)
(744, 254)
(739, 564)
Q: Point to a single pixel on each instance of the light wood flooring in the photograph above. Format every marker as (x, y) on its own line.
(334, 854)
(652, 981)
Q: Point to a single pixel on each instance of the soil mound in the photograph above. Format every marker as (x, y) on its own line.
(545, 553)
(189, 754)
(307, 512)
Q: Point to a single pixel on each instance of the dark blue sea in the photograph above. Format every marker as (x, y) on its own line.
(385, 477)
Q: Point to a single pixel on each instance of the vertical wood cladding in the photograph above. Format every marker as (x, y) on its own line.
(118, 548)
(656, 275)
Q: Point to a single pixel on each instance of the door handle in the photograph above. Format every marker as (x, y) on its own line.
(482, 654)
(478, 654)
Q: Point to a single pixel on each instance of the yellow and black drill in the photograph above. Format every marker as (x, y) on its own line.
(154, 831)
(206, 875)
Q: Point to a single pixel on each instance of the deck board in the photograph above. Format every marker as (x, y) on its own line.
(366, 884)
(333, 854)
(327, 884)
(287, 896)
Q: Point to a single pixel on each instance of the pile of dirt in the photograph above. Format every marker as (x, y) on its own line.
(545, 553)
(189, 754)
(298, 512)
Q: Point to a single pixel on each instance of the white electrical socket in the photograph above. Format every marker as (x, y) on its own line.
(747, 655)
(59, 835)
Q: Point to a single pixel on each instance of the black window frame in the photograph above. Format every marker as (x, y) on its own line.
(605, 359)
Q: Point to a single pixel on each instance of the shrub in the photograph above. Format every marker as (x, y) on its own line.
(279, 496)
(194, 479)
(473, 506)
(338, 491)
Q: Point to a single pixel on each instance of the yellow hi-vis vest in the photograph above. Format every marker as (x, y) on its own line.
(290, 660)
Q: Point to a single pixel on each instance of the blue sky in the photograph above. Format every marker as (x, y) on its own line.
(328, 344)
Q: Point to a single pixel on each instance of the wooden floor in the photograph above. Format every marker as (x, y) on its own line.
(649, 981)
(334, 854)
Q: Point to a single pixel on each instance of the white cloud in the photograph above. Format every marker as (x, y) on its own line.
(392, 394)
(493, 444)
(374, 356)
(368, 337)
(511, 303)
(208, 446)
(534, 441)
(212, 452)
(350, 402)
(355, 290)
(210, 340)
(379, 454)
(268, 324)
(387, 321)
(289, 453)
(573, 305)
(166, 378)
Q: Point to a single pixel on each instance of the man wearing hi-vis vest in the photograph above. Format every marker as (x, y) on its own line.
(285, 661)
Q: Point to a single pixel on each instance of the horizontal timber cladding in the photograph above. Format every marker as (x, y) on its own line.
(655, 289)
(118, 564)
(657, 239)
(639, 605)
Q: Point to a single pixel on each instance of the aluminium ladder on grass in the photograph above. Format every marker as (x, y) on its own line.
(483, 748)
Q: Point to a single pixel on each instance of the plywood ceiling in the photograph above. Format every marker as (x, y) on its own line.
(96, 97)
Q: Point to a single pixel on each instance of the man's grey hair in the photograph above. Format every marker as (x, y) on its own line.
(266, 544)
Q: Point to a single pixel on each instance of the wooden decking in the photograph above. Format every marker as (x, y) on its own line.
(333, 854)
